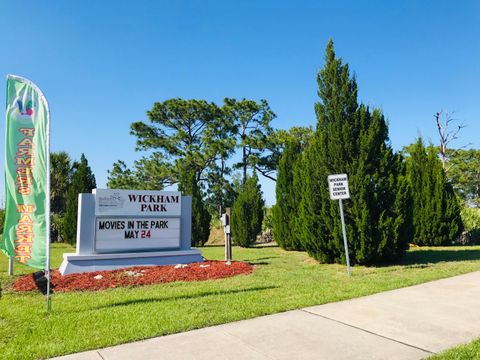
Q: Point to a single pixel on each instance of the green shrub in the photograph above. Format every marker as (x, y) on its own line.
(471, 223)
(247, 213)
(436, 213)
(267, 224)
(57, 222)
(83, 181)
(201, 218)
(288, 198)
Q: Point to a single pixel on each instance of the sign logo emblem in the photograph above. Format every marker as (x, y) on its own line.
(24, 109)
(114, 201)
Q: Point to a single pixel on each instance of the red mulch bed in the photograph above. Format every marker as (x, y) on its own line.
(139, 275)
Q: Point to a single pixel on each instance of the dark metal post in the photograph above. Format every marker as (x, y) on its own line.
(228, 236)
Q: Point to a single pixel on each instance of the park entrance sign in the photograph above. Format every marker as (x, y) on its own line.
(137, 220)
(121, 228)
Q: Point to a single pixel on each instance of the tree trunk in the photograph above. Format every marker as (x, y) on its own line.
(244, 159)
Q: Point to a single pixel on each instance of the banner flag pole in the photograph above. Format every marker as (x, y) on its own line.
(47, 210)
(10, 266)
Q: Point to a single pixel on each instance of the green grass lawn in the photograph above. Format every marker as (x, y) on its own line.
(464, 352)
(281, 281)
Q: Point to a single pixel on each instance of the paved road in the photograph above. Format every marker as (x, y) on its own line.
(408, 323)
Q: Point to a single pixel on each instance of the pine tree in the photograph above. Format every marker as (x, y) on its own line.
(299, 178)
(288, 199)
(436, 212)
(247, 213)
(351, 139)
(200, 216)
(83, 181)
(60, 175)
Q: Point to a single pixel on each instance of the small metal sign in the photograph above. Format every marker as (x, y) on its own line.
(338, 186)
(226, 229)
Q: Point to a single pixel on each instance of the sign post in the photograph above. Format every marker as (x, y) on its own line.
(338, 186)
(228, 235)
(10, 266)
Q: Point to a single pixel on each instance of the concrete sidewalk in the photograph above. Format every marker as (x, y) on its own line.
(408, 323)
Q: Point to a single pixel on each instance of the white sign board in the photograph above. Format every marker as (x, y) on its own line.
(226, 229)
(137, 202)
(338, 186)
(128, 233)
(136, 220)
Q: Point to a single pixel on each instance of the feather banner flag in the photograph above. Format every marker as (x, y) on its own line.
(27, 208)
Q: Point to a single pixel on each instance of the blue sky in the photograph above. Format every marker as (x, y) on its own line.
(102, 64)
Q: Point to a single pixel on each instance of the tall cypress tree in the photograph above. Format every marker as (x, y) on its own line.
(83, 181)
(288, 198)
(352, 139)
(201, 218)
(436, 212)
(247, 213)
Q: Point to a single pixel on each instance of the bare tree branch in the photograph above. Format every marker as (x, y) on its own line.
(265, 173)
(446, 136)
